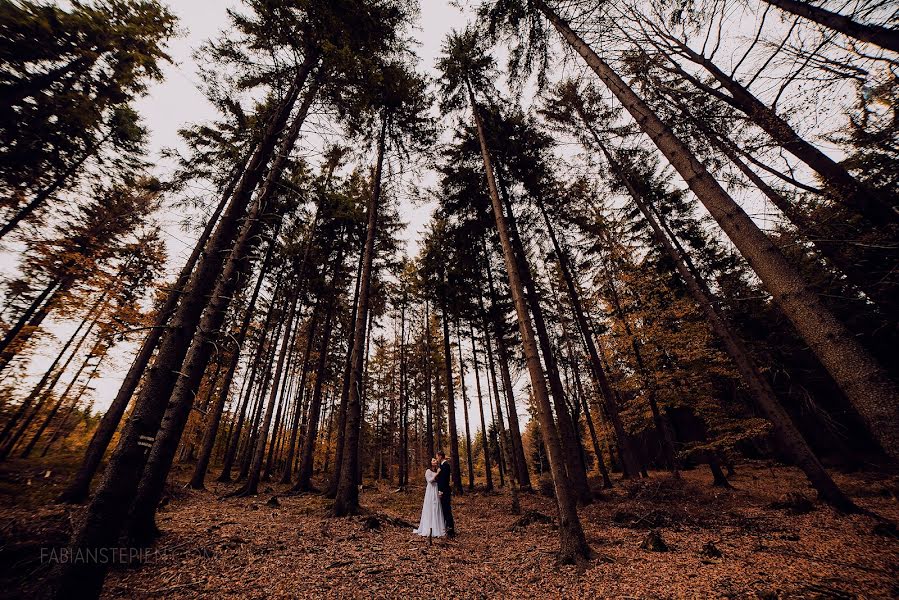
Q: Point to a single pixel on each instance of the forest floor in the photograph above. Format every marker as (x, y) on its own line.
(720, 543)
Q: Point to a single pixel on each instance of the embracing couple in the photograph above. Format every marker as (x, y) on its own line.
(437, 511)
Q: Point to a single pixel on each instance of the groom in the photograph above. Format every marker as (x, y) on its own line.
(445, 492)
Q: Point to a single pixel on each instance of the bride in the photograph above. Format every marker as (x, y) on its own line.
(431, 514)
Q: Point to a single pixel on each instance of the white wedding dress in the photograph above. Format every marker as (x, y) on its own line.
(432, 522)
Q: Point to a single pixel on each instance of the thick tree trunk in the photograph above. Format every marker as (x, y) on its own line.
(878, 35)
(572, 543)
(861, 378)
(109, 508)
(346, 501)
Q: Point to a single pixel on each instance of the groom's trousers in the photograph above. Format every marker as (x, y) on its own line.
(446, 503)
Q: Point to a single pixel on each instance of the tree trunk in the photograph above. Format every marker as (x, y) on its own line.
(26, 452)
(307, 455)
(261, 357)
(108, 510)
(878, 35)
(218, 407)
(10, 443)
(571, 448)
(465, 408)
(572, 543)
(48, 374)
(484, 434)
(451, 403)
(517, 446)
(236, 269)
(346, 501)
(626, 453)
(250, 488)
(345, 388)
(858, 374)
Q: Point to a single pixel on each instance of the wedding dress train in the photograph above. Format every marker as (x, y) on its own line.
(432, 522)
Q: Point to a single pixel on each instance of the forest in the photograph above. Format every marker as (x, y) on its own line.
(633, 266)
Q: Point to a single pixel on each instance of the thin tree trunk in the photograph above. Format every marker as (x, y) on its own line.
(261, 356)
(484, 433)
(11, 443)
(451, 403)
(215, 415)
(626, 453)
(857, 373)
(345, 388)
(307, 455)
(346, 501)
(517, 446)
(465, 408)
(48, 374)
(252, 484)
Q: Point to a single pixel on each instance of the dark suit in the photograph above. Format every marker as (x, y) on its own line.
(446, 497)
